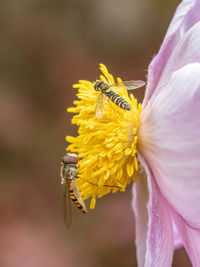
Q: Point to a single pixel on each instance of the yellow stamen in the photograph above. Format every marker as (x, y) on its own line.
(107, 147)
(93, 202)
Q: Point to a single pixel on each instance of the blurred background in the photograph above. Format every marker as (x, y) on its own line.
(45, 47)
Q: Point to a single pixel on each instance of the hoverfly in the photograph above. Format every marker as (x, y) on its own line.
(68, 173)
(106, 90)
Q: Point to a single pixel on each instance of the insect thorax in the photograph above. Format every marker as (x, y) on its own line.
(70, 171)
(101, 86)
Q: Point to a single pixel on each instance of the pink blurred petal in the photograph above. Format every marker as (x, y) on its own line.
(140, 200)
(186, 51)
(179, 16)
(187, 14)
(177, 237)
(169, 140)
(158, 250)
(191, 240)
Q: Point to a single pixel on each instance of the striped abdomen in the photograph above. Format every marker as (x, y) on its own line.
(118, 100)
(74, 199)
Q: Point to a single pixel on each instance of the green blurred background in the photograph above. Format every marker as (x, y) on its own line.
(45, 47)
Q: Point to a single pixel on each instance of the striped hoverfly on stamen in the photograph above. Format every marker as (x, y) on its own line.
(106, 92)
(68, 173)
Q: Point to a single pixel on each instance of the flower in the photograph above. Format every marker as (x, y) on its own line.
(162, 137)
(106, 147)
(166, 204)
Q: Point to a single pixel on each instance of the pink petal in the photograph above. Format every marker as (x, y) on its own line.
(187, 14)
(177, 238)
(169, 140)
(179, 15)
(191, 240)
(186, 51)
(140, 200)
(154, 241)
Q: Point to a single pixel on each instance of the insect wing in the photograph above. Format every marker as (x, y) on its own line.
(78, 195)
(101, 106)
(67, 207)
(130, 85)
(113, 110)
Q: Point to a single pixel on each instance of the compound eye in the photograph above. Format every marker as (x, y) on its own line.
(70, 159)
(96, 86)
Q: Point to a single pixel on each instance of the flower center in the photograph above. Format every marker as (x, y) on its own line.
(106, 147)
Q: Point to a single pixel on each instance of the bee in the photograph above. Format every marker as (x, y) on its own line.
(106, 90)
(68, 173)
